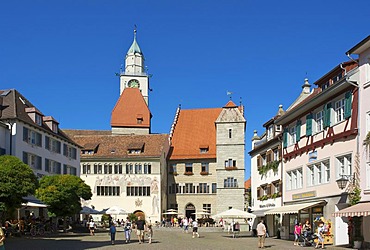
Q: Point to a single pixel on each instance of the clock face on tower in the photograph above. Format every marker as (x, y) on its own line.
(133, 83)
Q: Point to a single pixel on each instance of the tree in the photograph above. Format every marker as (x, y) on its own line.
(63, 193)
(17, 180)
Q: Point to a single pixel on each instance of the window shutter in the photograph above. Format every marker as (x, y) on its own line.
(47, 168)
(47, 142)
(38, 162)
(309, 125)
(258, 161)
(348, 105)
(25, 134)
(258, 192)
(65, 150)
(298, 130)
(327, 112)
(25, 158)
(285, 138)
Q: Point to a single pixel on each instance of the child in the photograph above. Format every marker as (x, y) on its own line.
(112, 230)
(150, 233)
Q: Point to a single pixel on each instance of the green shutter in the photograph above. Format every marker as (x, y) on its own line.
(348, 105)
(327, 113)
(309, 125)
(298, 130)
(285, 138)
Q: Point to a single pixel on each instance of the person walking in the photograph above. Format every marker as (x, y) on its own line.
(112, 230)
(297, 233)
(195, 229)
(150, 233)
(127, 229)
(92, 227)
(320, 235)
(261, 233)
(140, 229)
(185, 223)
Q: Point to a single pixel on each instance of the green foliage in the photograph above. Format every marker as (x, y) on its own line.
(63, 193)
(17, 181)
(132, 217)
(273, 165)
(355, 196)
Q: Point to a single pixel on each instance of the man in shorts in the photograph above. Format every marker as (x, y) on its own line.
(140, 229)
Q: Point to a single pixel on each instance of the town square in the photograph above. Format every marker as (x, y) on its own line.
(184, 125)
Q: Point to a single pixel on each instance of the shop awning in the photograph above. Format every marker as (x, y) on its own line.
(261, 212)
(293, 209)
(360, 209)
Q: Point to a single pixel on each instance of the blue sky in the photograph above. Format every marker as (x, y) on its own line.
(63, 55)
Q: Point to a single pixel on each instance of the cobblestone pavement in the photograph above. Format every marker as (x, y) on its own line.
(163, 239)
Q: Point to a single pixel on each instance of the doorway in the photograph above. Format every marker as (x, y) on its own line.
(189, 211)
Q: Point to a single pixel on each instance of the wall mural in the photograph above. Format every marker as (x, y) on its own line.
(123, 181)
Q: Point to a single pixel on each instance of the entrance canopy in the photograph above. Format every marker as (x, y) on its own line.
(360, 209)
(292, 209)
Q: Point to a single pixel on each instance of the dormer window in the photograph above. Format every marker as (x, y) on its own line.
(270, 132)
(139, 119)
(203, 149)
(325, 85)
(51, 123)
(135, 148)
(35, 115)
(38, 119)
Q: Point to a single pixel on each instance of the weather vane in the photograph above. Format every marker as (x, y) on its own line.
(229, 93)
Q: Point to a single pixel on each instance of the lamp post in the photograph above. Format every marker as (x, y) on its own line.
(344, 179)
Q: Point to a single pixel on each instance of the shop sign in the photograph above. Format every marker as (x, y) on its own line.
(312, 156)
(267, 205)
(304, 195)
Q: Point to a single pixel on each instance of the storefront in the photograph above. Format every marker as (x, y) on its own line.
(295, 213)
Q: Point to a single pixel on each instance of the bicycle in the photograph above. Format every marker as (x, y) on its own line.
(37, 229)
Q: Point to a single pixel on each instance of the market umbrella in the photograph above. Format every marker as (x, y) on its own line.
(201, 213)
(235, 214)
(116, 210)
(89, 210)
(171, 210)
(170, 213)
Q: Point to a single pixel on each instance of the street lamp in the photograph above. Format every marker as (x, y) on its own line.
(343, 180)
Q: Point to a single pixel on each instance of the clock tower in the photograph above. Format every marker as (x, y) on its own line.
(134, 75)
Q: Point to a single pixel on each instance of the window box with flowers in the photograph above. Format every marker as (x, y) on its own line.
(188, 173)
(204, 173)
(230, 168)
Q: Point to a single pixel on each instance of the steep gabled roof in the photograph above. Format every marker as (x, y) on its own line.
(130, 108)
(194, 129)
(15, 106)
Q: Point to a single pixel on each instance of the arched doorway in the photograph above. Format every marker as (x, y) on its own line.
(140, 213)
(189, 211)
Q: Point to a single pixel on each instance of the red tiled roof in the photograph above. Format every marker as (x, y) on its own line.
(247, 183)
(194, 129)
(230, 104)
(117, 146)
(130, 107)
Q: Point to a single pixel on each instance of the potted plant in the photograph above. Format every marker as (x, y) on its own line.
(357, 241)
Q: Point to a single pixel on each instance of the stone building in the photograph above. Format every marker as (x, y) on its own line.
(206, 160)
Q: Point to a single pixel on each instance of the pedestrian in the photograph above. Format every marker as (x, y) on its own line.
(150, 233)
(297, 233)
(195, 229)
(140, 229)
(249, 221)
(2, 237)
(112, 230)
(127, 229)
(320, 235)
(261, 233)
(185, 223)
(92, 227)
